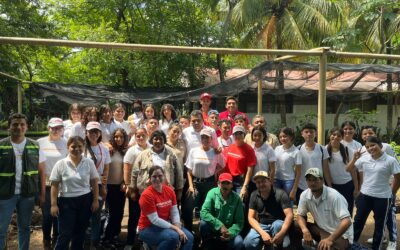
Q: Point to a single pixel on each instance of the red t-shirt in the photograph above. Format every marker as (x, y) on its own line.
(152, 201)
(238, 159)
(226, 116)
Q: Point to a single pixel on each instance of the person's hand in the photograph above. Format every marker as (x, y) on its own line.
(243, 193)
(131, 194)
(358, 154)
(292, 195)
(54, 211)
(104, 180)
(103, 192)
(95, 206)
(325, 244)
(218, 150)
(278, 238)
(266, 238)
(307, 238)
(42, 198)
(182, 235)
(356, 193)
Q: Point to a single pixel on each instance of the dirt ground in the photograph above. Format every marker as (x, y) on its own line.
(36, 236)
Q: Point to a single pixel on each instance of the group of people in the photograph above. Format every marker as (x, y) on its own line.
(241, 181)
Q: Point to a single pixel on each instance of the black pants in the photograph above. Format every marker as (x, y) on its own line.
(73, 220)
(116, 203)
(133, 220)
(48, 222)
(347, 190)
(380, 207)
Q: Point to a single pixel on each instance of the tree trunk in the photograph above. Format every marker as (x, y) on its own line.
(280, 80)
(389, 81)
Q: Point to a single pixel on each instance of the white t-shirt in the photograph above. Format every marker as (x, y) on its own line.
(67, 129)
(385, 148)
(105, 131)
(54, 151)
(116, 171)
(286, 161)
(193, 138)
(265, 155)
(311, 159)
(225, 143)
(74, 181)
(164, 126)
(18, 152)
(133, 152)
(159, 159)
(78, 130)
(124, 124)
(328, 210)
(203, 163)
(337, 168)
(353, 145)
(377, 174)
(102, 156)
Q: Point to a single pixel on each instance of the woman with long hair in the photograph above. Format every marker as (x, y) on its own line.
(100, 155)
(340, 155)
(116, 186)
(90, 114)
(167, 117)
(349, 129)
(74, 114)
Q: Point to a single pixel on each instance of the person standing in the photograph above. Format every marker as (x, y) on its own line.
(231, 106)
(54, 147)
(205, 102)
(21, 165)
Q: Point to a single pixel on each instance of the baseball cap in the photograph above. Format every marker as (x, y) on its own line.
(93, 125)
(55, 122)
(205, 95)
(225, 177)
(213, 112)
(316, 172)
(206, 131)
(238, 129)
(261, 174)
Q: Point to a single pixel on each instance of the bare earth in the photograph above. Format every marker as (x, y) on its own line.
(36, 236)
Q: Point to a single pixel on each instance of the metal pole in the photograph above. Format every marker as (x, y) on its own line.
(19, 91)
(323, 62)
(259, 97)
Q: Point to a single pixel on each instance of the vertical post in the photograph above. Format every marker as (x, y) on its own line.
(259, 97)
(323, 61)
(19, 90)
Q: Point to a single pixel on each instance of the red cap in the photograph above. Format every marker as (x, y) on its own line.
(205, 95)
(225, 177)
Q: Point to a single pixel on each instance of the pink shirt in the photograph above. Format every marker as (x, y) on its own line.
(226, 116)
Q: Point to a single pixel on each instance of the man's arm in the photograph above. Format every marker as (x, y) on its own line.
(327, 172)
(206, 212)
(278, 238)
(326, 243)
(42, 177)
(238, 220)
(395, 184)
(246, 182)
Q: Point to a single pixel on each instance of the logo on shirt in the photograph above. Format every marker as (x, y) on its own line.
(164, 204)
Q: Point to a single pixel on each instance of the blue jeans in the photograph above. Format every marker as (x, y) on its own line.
(48, 222)
(73, 219)
(207, 232)
(253, 239)
(165, 239)
(391, 221)
(95, 224)
(24, 207)
(286, 185)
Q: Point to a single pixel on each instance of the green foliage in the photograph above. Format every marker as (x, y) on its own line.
(396, 148)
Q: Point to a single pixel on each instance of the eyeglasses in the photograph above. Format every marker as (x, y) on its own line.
(157, 176)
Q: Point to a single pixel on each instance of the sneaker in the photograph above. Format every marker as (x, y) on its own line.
(392, 245)
(286, 241)
(369, 241)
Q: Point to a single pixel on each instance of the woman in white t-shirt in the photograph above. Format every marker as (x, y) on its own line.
(90, 114)
(115, 186)
(119, 112)
(100, 155)
(349, 129)
(266, 158)
(343, 181)
(75, 115)
(168, 116)
(133, 195)
(74, 180)
(203, 165)
(376, 193)
(288, 163)
(106, 118)
(54, 147)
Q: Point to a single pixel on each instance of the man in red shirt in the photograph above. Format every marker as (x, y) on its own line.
(232, 111)
(205, 102)
(240, 160)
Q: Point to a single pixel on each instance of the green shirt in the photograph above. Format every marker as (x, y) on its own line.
(217, 212)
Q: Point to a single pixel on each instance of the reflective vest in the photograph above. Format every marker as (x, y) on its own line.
(30, 173)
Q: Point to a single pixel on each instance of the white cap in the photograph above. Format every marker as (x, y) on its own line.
(238, 129)
(55, 122)
(93, 125)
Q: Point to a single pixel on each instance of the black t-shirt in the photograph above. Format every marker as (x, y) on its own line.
(271, 209)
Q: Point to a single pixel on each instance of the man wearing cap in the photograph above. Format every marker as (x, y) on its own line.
(232, 111)
(202, 164)
(333, 228)
(205, 102)
(240, 160)
(222, 216)
(54, 147)
(270, 214)
(213, 120)
(21, 168)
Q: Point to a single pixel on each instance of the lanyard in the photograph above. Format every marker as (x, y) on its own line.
(101, 159)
